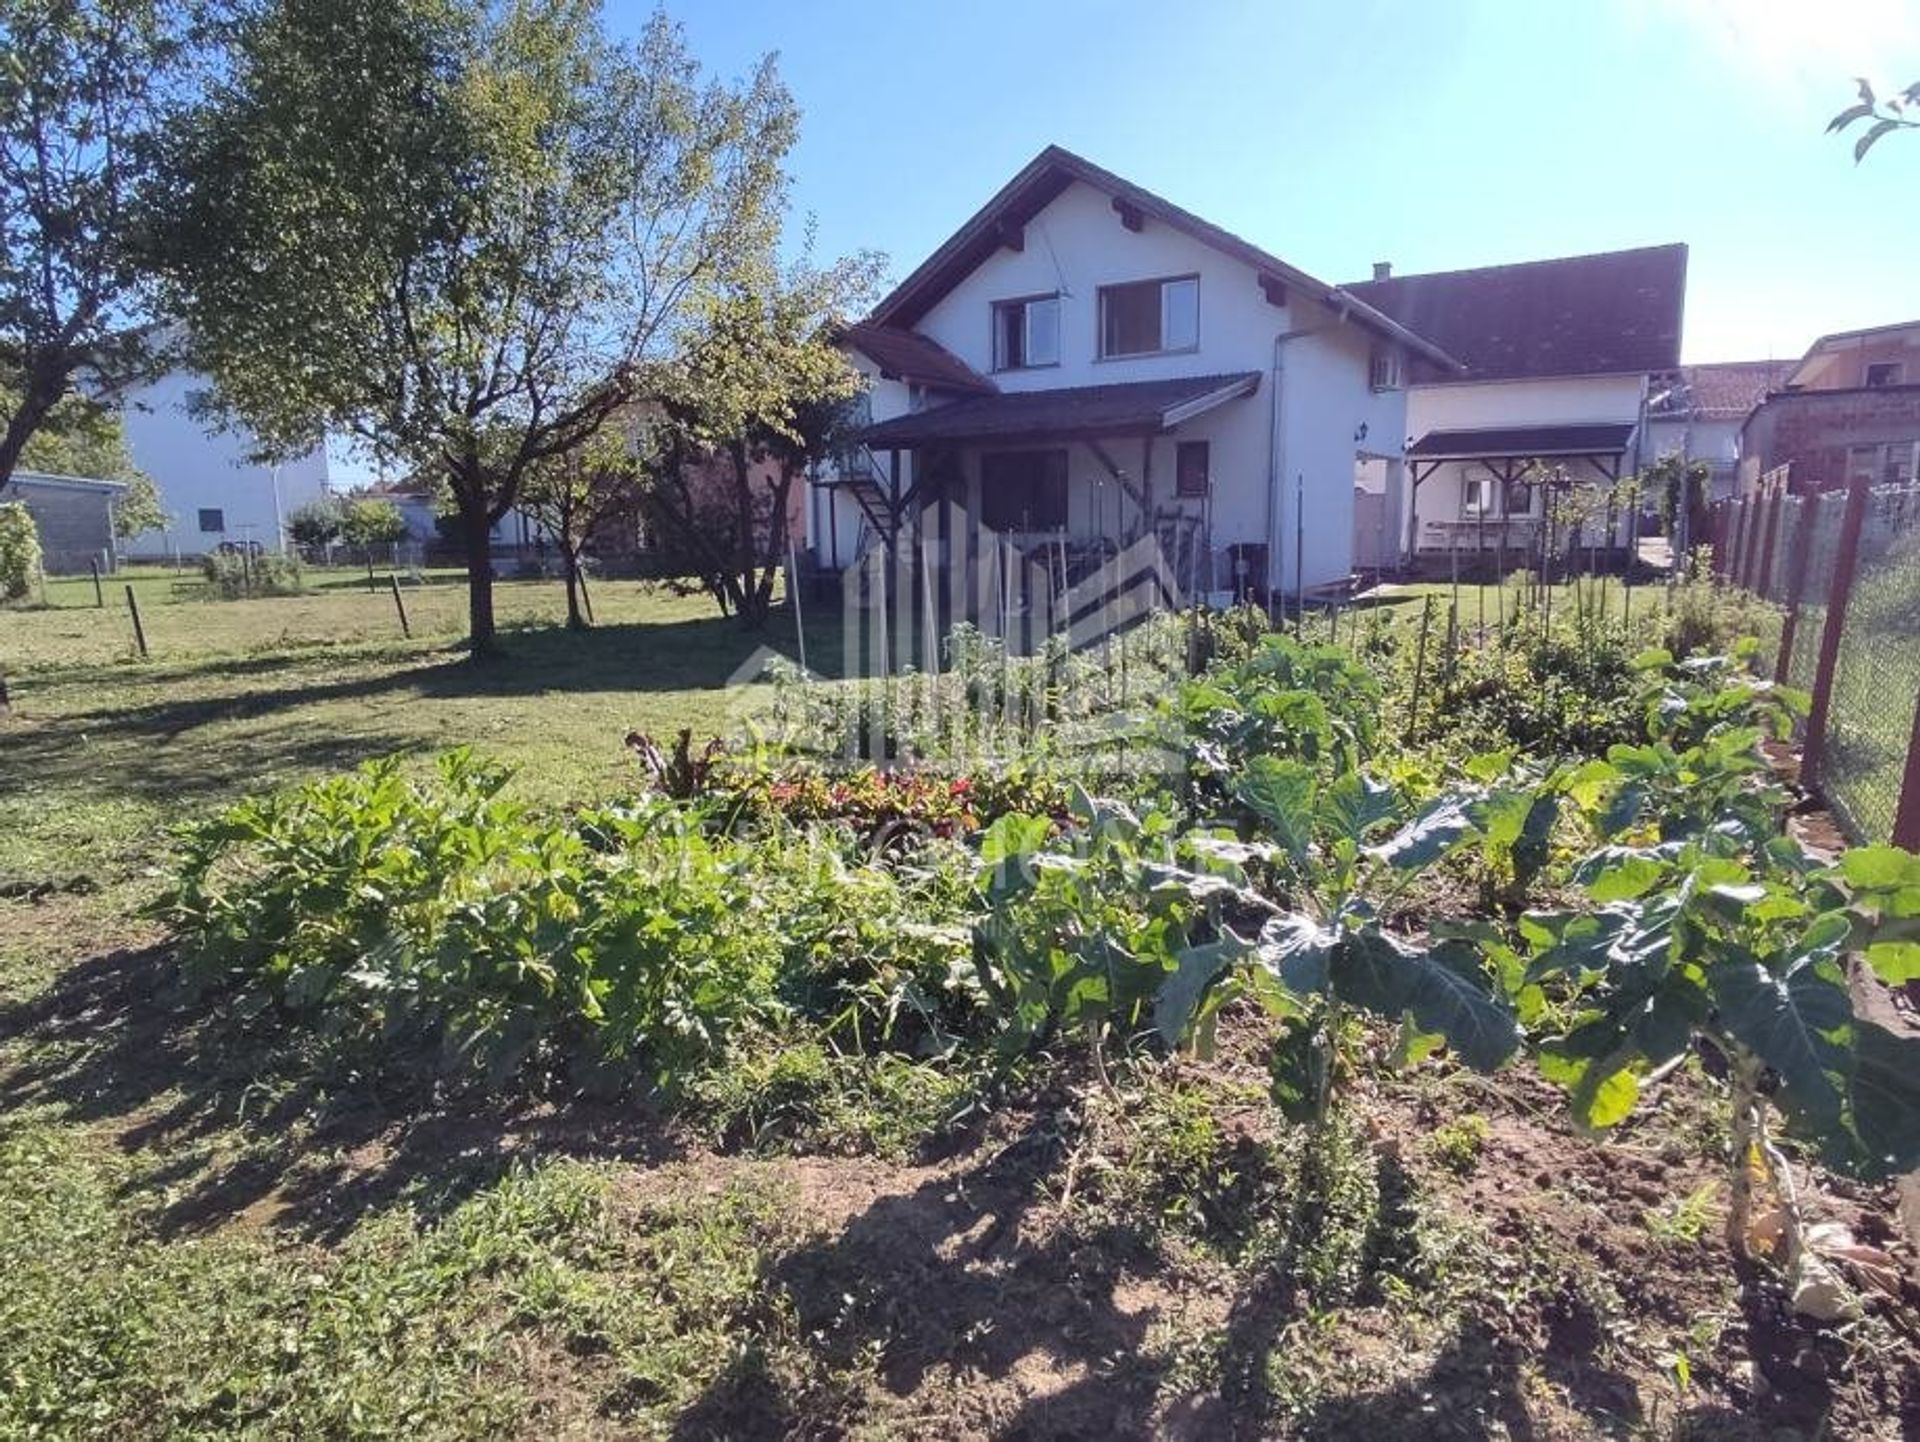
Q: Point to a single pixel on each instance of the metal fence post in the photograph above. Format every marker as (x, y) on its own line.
(1797, 558)
(1846, 557)
(1756, 523)
(1906, 821)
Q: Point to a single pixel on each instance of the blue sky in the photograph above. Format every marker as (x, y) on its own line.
(1339, 132)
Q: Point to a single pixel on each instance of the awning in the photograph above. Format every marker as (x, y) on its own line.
(1135, 408)
(1525, 443)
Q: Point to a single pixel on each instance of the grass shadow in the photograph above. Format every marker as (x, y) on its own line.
(252, 1130)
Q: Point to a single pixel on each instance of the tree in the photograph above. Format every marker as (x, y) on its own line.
(138, 510)
(570, 495)
(760, 394)
(19, 550)
(368, 521)
(1894, 112)
(316, 524)
(460, 233)
(87, 89)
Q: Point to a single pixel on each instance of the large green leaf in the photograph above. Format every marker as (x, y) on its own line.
(1798, 1023)
(1281, 793)
(1355, 804)
(1444, 990)
(1195, 971)
(1428, 837)
(1299, 951)
(1884, 1096)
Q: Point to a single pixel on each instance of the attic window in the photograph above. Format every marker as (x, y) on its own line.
(1885, 373)
(1383, 372)
(1026, 332)
(1150, 317)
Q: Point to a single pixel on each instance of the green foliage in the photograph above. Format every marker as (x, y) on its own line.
(317, 523)
(137, 509)
(371, 521)
(1459, 1142)
(1883, 115)
(233, 575)
(1706, 618)
(517, 209)
(442, 918)
(87, 95)
(19, 551)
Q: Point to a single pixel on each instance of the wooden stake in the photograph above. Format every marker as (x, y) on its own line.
(400, 606)
(139, 631)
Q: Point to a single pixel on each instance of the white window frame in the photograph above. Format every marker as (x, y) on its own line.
(1025, 305)
(1383, 369)
(1167, 284)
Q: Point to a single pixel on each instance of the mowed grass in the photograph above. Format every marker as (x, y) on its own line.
(104, 753)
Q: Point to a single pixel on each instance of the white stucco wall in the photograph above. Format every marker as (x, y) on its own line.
(1077, 245)
(1715, 441)
(196, 467)
(1475, 405)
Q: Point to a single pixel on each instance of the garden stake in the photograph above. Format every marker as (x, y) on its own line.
(1420, 660)
(139, 631)
(99, 597)
(400, 606)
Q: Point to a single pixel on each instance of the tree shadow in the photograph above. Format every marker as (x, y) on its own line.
(254, 1131)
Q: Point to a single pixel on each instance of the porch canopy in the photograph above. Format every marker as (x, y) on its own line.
(1072, 413)
(1506, 450)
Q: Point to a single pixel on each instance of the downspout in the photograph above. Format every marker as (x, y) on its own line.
(1276, 457)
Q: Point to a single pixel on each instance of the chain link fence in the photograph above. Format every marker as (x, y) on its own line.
(1845, 569)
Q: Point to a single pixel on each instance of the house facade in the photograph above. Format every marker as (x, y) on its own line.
(1699, 411)
(1850, 409)
(1556, 360)
(1084, 363)
(211, 488)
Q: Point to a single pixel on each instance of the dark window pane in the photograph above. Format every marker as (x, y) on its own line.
(212, 519)
(1190, 469)
(1130, 319)
(1023, 490)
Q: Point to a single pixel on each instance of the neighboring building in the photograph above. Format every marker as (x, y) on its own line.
(210, 488)
(1849, 409)
(73, 514)
(1698, 412)
(1084, 362)
(1557, 357)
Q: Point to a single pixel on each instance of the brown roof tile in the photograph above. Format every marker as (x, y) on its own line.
(1607, 314)
(910, 356)
(1724, 390)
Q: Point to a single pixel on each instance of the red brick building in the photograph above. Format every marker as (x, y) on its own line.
(1851, 408)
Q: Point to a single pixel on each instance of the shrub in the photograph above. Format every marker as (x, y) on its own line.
(19, 551)
(315, 524)
(232, 575)
(1706, 618)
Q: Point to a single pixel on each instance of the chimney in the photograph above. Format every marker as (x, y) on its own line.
(1383, 270)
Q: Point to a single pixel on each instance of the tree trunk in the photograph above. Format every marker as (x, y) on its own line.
(37, 400)
(570, 568)
(481, 633)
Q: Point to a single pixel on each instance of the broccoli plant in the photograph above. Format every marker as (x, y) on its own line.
(1708, 927)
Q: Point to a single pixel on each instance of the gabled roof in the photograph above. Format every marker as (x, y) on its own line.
(1041, 182)
(1719, 390)
(1138, 408)
(909, 356)
(1614, 313)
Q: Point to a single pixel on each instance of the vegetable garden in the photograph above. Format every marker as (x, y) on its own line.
(1168, 929)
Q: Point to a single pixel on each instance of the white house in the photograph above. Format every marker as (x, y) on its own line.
(1557, 362)
(1697, 412)
(1084, 362)
(210, 488)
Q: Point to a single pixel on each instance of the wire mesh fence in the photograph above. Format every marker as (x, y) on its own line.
(1845, 568)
